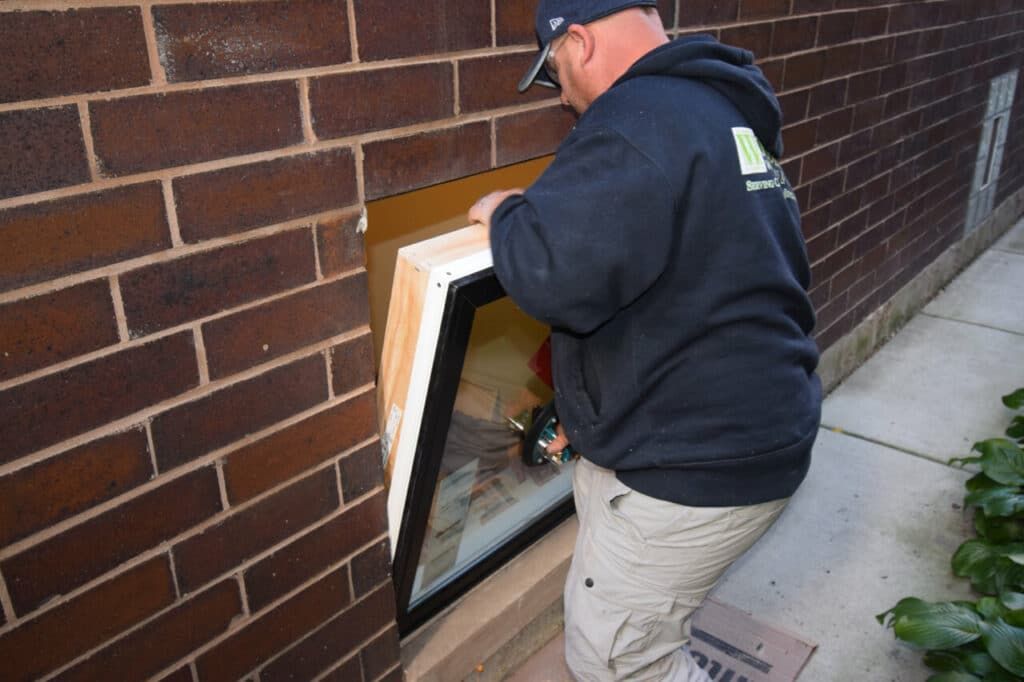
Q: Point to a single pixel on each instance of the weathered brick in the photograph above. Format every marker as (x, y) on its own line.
(182, 674)
(340, 105)
(193, 429)
(88, 231)
(794, 35)
(335, 640)
(490, 82)
(260, 334)
(60, 487)
(868, 23)
(41, 149)
(202, 558)
(46, 411)
(804, 69)
(290, 566)
(212, 40)
(371, 568)
(90, 549)
(268, 462)
(166, 639)
(361, 472)
(836, 28)
(701, 12)
(275, 630)
(237, 199)
(513, 22)
(467, 25)
(827, 97)
(147, 132)
(349, 671)
(60, 635)
(167, 294)
(352, 364)
(799, 138)
(339, 244)
(382, 654)
(752, 9)
(531, 134)
(48, 329)
(399, 165)
(46, 54)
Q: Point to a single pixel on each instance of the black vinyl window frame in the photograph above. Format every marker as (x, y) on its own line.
(464, 297)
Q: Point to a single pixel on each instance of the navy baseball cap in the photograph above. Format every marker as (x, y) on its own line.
(554, 17)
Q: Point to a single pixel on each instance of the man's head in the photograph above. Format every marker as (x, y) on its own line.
(586, 45)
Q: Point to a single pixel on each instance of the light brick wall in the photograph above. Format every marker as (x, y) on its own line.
(189, 466)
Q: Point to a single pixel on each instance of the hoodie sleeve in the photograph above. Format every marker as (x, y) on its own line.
(589, 236)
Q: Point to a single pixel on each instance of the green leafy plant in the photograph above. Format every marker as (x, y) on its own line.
(983, 640)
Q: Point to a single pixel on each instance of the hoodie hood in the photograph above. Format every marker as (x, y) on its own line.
(729, 70)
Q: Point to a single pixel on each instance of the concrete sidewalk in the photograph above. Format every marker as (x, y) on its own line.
(880, 513)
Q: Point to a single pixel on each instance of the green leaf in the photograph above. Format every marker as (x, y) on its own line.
(940, 625)
(980, 482)
(998, 530)
(991, 568)
(1015, 400)
(954, 677)
(945, 661)
(1005, 643)
(1014, 601)
(1003, 500)
(1002, 460)
(1016, 428)
(990, 608)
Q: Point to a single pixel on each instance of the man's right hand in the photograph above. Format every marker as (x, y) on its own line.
(561, 441)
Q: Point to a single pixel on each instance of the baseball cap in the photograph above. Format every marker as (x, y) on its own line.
(554, 17)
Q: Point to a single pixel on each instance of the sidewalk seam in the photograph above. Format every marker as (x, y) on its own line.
(973, 324)
(838, 430)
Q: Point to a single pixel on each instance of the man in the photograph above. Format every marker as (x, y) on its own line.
(663, 246)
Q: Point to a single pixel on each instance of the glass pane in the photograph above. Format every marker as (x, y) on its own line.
(485, 493)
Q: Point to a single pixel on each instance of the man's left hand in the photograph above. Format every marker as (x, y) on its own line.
(483, 209)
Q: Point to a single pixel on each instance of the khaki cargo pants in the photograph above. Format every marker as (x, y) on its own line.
(640, 568)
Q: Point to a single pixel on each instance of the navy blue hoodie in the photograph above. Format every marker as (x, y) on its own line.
(663, 246)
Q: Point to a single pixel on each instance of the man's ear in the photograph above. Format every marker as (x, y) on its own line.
(587, 42)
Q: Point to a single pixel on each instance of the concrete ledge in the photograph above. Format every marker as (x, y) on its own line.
(500, 623)
(853, 349)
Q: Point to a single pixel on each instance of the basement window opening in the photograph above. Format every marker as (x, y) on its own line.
(463, 500)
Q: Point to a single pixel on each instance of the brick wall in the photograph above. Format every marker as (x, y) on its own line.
(188, 458)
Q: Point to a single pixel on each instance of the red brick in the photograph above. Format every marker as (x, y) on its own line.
(361, 472)
(835, 125)
(703, 12)
(257, 335)
(794, 35)
(667, 11)
(42, 149)
(352, 364)
(531, 134)
(335, 640)
(804, 69)
(242, 198)
(283, 455)
(754, 37)
(514, 22)
(401, 96)
(490, 82)
(842, 60)
(819, 163)
(166, 639)
(339, 244)
(801, 6)
(751, 9)
(371, 568)
(148, 132)
(794, 106)
(402, 164)
(182, 674)
(827, 97)
(60, 487)
(876, 53)
(48, 329)
(349, 671)
(90, 549)
(46, 54)
(396, 675)
(800, 138)
(387, 30)
(214, 40)
(868, 23)
(71, 629)
(46, 411)
(193, 429)
(263, 638)
(167, 294)
(381, 654)
(836, 28)
(88, 231)
(202, 558)
(293, 564)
